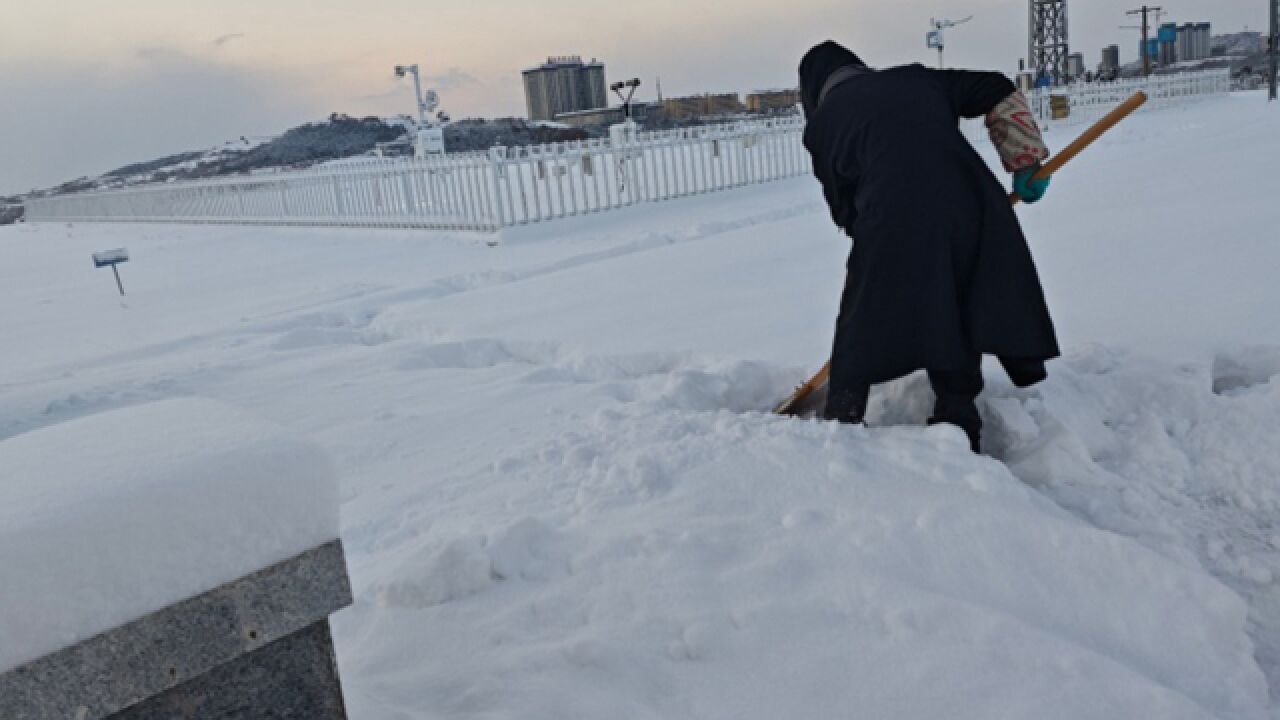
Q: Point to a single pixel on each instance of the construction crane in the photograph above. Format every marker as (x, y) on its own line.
(1156, 14)
(1145, 27)
(936, 37)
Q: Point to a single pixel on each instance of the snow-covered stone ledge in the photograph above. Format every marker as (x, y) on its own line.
(178, 559)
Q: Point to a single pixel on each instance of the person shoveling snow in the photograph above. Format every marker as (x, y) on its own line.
(940, 272)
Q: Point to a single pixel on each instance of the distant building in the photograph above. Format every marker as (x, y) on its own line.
(1194, 42)
(608, 116)
(766, 100)
(702, 105)
(563, 85)
(1075, 66)
(1152, 50)
(1110, 66)
(678, 108)
(1168, 44)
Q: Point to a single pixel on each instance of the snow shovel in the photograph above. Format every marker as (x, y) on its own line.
(809, 399)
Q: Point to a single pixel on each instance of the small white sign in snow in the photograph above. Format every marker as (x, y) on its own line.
(110, 257)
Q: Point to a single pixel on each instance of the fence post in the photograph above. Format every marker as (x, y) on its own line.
(497, 155)
(284, 200)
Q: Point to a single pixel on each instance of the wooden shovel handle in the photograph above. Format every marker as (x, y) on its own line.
(1087, 138)
(804, 391)
(1055, 164)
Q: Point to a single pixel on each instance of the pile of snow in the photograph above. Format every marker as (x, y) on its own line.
(1181, 457)
(111, 517)
(562, 497)
(660, 564)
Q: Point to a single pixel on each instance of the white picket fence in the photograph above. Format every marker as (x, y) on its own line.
(473, 191)
(1090, 101)
(515, 186)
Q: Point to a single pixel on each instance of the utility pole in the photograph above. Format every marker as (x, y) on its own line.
(1146, 33)
(1274, 48)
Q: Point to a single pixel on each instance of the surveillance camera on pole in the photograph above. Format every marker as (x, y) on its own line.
(430, 140)
(618, 87)
(624, 133)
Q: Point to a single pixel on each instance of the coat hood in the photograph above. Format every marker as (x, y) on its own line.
(817, 65)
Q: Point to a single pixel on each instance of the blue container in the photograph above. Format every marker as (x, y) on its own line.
(1168, 33)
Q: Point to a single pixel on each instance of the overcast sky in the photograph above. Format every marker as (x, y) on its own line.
(88, 86)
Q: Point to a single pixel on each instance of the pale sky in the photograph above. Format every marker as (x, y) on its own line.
(88, 86)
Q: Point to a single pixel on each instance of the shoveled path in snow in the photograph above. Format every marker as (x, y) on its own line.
(558, 502)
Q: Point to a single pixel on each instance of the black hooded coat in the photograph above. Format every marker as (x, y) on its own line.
(940, 271)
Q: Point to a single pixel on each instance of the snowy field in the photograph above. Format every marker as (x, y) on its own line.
(561, 499)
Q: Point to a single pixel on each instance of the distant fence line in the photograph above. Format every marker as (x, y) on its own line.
(471, 191)
(514, 186)
(1089, 101)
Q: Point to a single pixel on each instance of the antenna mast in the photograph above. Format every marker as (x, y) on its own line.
(936, 38)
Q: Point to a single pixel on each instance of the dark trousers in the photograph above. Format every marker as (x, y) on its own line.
(956, 393)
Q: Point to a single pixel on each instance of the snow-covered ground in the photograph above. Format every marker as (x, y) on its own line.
(561, 499)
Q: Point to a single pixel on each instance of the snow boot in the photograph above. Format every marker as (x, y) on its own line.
(956, 403)
(848, 406)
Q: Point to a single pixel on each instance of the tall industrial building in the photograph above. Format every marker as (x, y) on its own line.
(563, 85)
(1153, 50)
(1048, 49)
(1194, 41)
(1110, 66)
(1181, 43)
(1168, 44)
